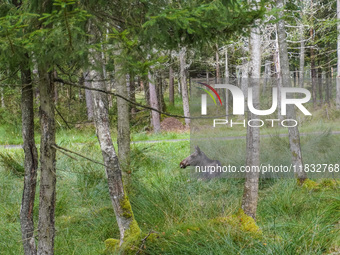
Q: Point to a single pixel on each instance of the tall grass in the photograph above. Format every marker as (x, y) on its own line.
(183, 211)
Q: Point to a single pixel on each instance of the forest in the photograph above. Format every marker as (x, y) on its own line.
(169, 127)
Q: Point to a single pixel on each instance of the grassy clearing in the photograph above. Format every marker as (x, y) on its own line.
(187, 214)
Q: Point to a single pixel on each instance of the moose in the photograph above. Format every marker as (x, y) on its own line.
(198, 158)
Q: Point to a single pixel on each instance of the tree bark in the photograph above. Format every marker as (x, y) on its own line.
(31, 163)
(171, 87)
(313, 69)
(217, 65)
(250, 193)
(294, 136)
(328, 82)
(184, 87)
(302, 57)
(266, 75)
(128, 227)
(123, 122)
(160, 94)
(155, 116)
(145, 85)
(46, 228)
(56, 94)
(88, 96)
(320, 84)
(226, 76)
(121, 204)
(3, 105)
(278, 76)
(132, 94)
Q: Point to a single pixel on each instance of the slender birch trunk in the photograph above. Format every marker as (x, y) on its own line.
(278, 76)
(128, 227)
(217, 65)
(184, 87)
(171, 87)
(88, 96)
(155, 116)
(302, 57)
(294, 135)
(250, 193)
(226, 76)
(31, 163)
(123, 121)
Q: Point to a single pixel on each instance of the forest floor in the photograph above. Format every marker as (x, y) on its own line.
(190, 216)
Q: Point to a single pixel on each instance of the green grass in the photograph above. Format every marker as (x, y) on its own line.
(182, 210)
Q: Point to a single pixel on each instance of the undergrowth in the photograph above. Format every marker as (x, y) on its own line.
(184, 215)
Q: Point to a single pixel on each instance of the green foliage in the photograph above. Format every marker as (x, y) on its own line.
(48, 35)
(197, 22)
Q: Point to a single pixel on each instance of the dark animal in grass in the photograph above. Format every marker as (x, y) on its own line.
(198, 158)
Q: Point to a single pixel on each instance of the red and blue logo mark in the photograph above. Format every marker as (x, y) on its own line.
(209, 93)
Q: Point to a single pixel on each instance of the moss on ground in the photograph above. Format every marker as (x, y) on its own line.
(241, 221)
(324, 184)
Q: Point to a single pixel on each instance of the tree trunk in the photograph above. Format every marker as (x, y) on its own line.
(328, 82)
(184, 87)
(145, 85)
(217, 65)
(56, 94)
(160, 94)
(266, 76)
(46, 228)
(127, 225)
(88, 96)
(302, 57)
(313, 69)
(278, 76)
(250, 193)
(226, 76)
(171, 87)
(294, 136)
(31, 163)
(155, 116)
(2, 98)
(123, 122)
(244, 78)
(320, 84)
(337, 100)
(132, 94)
